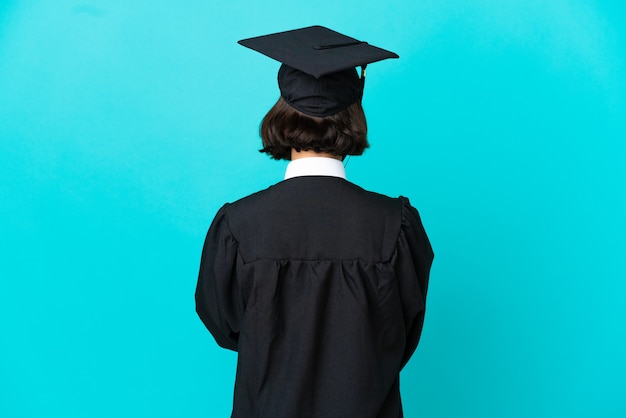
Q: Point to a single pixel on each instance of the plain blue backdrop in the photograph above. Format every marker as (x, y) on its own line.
(125, 125)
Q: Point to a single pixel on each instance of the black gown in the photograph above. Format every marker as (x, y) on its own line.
(320, 286)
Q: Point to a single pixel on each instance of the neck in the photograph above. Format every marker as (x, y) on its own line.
(307, 154)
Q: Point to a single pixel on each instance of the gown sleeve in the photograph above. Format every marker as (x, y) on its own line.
(413, 260)
(217, 302)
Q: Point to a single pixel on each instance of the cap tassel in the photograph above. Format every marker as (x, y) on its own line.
(332, 46)
(363, 72)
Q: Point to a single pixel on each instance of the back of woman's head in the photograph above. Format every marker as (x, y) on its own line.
(341, 134)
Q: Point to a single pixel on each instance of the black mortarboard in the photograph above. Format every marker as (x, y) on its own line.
(318, 75)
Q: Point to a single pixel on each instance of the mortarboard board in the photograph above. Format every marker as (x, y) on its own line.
(317, 75)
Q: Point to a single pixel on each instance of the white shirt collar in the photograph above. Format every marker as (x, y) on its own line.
(315, 166)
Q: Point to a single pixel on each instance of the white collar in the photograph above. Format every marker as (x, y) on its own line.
(315, 166)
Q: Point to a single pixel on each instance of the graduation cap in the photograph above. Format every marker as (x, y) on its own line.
(318, 75)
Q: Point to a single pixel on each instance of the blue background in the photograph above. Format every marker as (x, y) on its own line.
(124, 126)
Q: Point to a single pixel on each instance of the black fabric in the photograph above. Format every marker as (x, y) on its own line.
(318, 75)
(321, 97)
(321, 288)
(317, 50)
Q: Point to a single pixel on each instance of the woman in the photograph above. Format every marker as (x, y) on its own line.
(319, 285)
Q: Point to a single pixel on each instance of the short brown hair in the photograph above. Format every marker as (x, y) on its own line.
(341, 134)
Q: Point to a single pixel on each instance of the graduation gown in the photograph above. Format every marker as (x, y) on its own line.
(320, 286)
